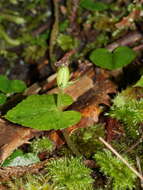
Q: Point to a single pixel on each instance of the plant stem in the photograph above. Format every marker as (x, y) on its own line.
(68, 140)
(70, 143)
(54, 33)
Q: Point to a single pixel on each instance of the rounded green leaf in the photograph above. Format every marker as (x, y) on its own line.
(70, 118)
(41, 112)
(63, 100)
(122, 56)
(4, 84)
(93, 6)
(2, 98)
(17, 86)
(15, 154)
(102, 58)
(139, 82)
(24, 160)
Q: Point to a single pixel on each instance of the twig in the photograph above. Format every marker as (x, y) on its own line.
(128, 40)
(73, 6)
(40, 29)
(134, 145)
(54, 33)
(139, 168)
(138, 47)
(121, 158)
(64, 61)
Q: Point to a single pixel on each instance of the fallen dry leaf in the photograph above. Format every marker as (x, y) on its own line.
(114, 129)
(91, 102)
(11, 137)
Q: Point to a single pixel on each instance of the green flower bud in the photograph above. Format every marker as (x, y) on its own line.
(63, 76)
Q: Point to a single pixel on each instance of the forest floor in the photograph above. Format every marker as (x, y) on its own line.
(71, 95)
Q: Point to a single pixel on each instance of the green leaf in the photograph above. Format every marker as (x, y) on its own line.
(15, 154)
(17, 86)
(122, 56)
(64, 25)
(41, 112)
(102, 58)
(93, 6)
(2, 98)
(139, 83)
(64, 100)
(4, 84)
(23, 160)
(11, 86)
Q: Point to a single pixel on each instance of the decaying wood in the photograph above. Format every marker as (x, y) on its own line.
(91, 102)
(128, 40)
(128, 21)
(7, 173)
(11, 137)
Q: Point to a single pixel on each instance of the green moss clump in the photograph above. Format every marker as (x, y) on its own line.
(122, 177)
(130, 112)
(86, 139)
(30, 182)
(70, 174)
(66, 42)
(42, 145)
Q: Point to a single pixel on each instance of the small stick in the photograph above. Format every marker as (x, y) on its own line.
(134, 145)
(54, 33)
(121, 158)
(140, 169)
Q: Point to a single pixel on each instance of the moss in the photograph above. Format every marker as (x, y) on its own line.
(66, 42)
(70, 174)
(122, 177)
(86, 139)
(129, 111)
(41, 145)
(30, 182)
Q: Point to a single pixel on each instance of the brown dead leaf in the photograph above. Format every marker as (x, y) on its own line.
(91, 102)
(11, 137)
(114, 129)
(55, 137)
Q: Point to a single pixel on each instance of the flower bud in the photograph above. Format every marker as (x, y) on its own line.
(63, 76)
